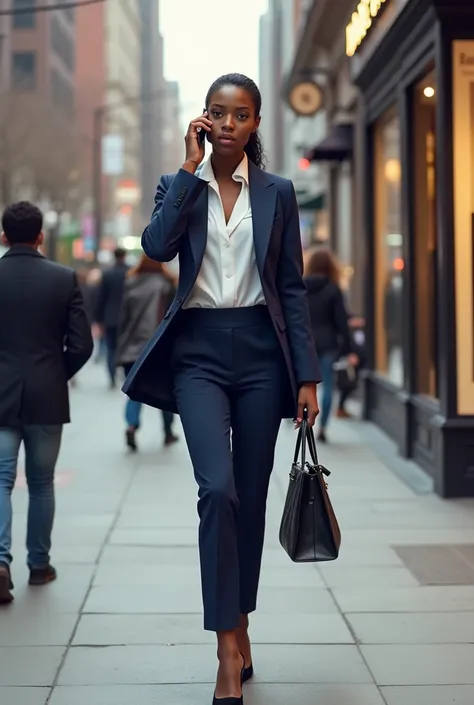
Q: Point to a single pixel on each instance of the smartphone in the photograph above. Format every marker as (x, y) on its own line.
(202, 133)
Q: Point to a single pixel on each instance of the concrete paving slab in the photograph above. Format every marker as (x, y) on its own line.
(154, 537)
(66, 595)
(430, 695)
(20, 627)
(362, 556)
(429, 628)
(137, 575)
(199, 694)
(336, 575)
(406, 599)
(119, 630)
(29, 666)
(123, 629)
(447, 664)
(129, 555)
(144, 599)
(299, 629)
(129, 665)
(272, 600)
(23, 696)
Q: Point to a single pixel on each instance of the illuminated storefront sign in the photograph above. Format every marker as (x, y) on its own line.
(360, 23)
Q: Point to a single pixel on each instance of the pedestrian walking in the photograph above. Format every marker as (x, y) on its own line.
(148, 291)
(329, 323)
(46, 339)
(109, 307)
(235, 352)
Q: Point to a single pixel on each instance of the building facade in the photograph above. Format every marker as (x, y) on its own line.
(109, 89)
(5, 50)
(406, 87)
(320, 61)
(42, 59)
(413, 63)
(37, 79)
(154, 98)
(286, 135)
(173, 133)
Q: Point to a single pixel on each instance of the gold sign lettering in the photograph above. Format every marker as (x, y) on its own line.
(360, 23)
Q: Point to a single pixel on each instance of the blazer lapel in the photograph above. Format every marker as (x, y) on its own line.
(263, 194)
(198, 229)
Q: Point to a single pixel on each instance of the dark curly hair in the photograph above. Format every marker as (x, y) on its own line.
(22, 223)
(254, 147)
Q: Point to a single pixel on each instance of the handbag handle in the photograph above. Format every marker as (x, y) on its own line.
(305, 431)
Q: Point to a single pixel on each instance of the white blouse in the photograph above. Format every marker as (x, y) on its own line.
(228, 277)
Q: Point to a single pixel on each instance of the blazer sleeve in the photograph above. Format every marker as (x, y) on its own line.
(78, 340)
(294, 296)
(174, 200)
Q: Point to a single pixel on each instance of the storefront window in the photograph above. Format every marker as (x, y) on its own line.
(389, 262)
(425, 235)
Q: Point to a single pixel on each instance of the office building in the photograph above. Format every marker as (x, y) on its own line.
(154, 98)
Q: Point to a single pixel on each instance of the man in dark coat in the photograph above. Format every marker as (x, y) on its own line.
(109, 308)
(45, 339)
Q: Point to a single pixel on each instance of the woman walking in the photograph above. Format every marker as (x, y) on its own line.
(329, 323)
(145, 300)
(240, 348)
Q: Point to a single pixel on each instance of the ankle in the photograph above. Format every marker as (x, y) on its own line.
(227, 647)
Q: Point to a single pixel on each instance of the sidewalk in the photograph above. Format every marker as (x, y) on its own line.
(392, 621)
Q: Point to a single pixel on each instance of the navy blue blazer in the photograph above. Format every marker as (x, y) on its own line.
(178, 226)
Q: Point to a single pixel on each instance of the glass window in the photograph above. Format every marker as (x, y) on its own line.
(24, 20)
(388, 249)
(24, 70)
(424, 131)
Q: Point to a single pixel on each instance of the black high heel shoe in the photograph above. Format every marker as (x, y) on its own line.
(247, 673)
(231, 701)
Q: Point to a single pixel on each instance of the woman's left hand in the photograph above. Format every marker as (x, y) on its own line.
(307, 400)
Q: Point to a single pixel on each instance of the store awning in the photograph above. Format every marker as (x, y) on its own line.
(336, 147)
(309, 202)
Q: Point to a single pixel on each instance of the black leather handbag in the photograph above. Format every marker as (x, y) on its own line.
(309, 530)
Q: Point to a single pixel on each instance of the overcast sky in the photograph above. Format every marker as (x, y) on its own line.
(204, 40)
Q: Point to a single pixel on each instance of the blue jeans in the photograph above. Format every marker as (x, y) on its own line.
(42, 444)
(132, 417)
(326, 362)
(133, 412)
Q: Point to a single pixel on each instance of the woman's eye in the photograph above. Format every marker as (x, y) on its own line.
(242, 116)
(216, 114)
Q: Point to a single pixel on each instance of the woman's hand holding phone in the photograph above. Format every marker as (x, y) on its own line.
(194, 143)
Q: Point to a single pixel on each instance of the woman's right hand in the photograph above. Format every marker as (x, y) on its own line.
(195, 150)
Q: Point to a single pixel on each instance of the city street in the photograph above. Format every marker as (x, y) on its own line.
(392, 621)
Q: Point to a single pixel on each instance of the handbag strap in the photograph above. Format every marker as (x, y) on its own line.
(305, 432)
(312, 444)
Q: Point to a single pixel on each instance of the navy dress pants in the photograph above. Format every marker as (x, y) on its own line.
(229, 376)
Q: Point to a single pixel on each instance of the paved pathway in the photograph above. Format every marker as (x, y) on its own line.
(122, 626)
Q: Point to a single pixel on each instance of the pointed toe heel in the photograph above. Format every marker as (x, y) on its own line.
(228, 701)
(247, 673)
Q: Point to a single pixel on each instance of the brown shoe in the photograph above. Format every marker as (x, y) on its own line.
(343, 414)
(42, 576)
(5, 585)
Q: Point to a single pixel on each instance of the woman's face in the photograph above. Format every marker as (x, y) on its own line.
(232, 112)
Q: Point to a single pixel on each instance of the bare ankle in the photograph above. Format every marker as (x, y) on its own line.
(227, 647)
